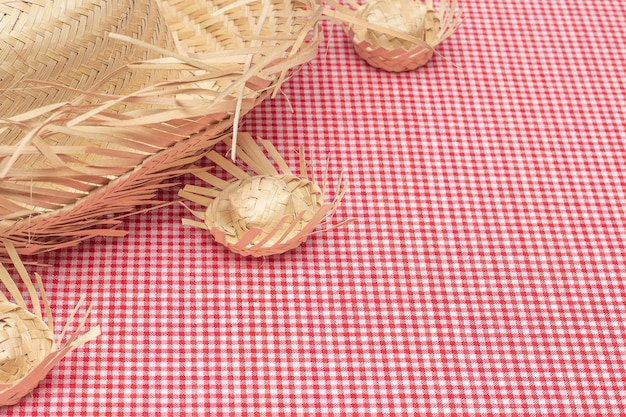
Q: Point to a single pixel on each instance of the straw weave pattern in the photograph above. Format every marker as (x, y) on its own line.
(68, 44)
(397, 60)
(25, 341)
(262, 201)
(377, 26)
(204, 31)
(113, 99)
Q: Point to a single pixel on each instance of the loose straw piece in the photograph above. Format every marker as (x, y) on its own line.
(263, 212)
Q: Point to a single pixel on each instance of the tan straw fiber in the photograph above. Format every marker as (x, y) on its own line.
(104, 102)
(260, 211)
(28, 350)
(398, 35)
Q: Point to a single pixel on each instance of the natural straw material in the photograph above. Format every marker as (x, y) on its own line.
(28, 350)
(398, 35)
(260, 211)
(104, 101)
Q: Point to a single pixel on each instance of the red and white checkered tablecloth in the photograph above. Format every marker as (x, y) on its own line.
(485, 274)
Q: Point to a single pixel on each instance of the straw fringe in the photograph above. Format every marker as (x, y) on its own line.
(71, 162)
(28, 350)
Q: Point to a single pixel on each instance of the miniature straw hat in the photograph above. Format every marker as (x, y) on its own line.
(398, 35)
(28, 350)
(262, 212)
(104, 101)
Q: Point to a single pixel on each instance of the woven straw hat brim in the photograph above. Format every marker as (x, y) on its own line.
(129, 106)
(394, 60)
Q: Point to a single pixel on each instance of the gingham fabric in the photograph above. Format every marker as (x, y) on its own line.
(484, 275)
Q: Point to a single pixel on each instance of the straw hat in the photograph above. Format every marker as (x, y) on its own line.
(105, 101)
(28, 350)
(398, 35)
(260, 211)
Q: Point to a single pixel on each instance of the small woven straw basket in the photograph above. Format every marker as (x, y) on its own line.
(260, 210)
(398, 35)
(28, 350)
(105, 101)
